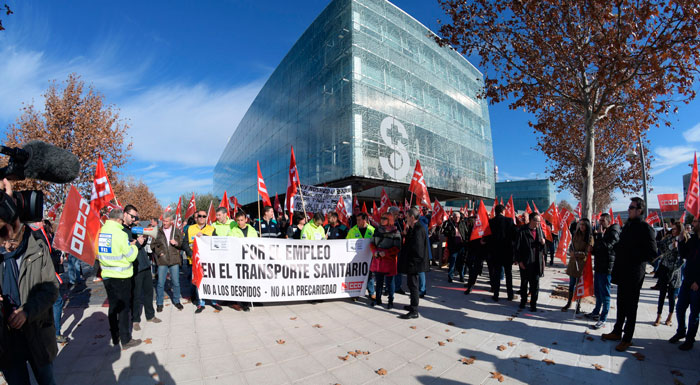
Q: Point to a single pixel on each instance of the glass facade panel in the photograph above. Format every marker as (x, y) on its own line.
(540, 191)
(364, 93)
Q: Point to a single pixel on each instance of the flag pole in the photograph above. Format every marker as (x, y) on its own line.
(259, 217)
(303, 205)
(410, 201)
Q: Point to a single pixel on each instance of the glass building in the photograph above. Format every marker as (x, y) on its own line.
(362, 95)
(540, 191)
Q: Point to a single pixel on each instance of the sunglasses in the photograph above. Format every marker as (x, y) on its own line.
(632, 208)
(201, 216)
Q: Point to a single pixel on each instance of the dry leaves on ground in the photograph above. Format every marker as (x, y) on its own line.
(365, 353)
(548, 361)
(258, 364)
(451, 323)
(468, 361)
(589, 338)
(544, 350)
(449, 340)
(293, 318)
(317, 326)
(447, 330)
(511, 344)
(354, 353)
(498, 376)
(344, 358)
(148, 341)
(501, 347)
(639, 356)
(381, 372)
(464, 332)
(413, 327)
(182, 355)
(281, 342)
(525, 356)
(441, 343)
(598, 367)
(509, 318)
(426, 337)
(428, 367)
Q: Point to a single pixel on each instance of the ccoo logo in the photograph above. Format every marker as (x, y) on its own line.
(397, 163)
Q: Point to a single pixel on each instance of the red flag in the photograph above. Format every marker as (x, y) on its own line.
(682, 218)
(439, 215)
(578, 210)
(546, 231)
(355, 205)
(668, 202)
(53, 211)
(552, 215)
(510, 209)
(564, 242)
(419, 187)
(225, 203)
(501, 201)
(168, 208)
(692, 199)
(493, 208)
(534, 206)
(406, 205)
(78, 228)
(481, 226)
(178, 214)
(619, 219)
(376, 215)
(584, 286)
(233, 202)
(292, 183)
(211, 213)
(278, 206)
(364, 208)
(191, 207)
(262, 189)
(384, 202)
(197, 271)
(565, 218)
(528, 210)
(653, 217)
(102, 191)
(611, 213)
(342, 212)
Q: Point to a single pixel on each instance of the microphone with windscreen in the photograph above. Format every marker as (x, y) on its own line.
(42, 161)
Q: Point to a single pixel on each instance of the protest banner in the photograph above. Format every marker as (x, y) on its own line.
(276, 270)
(321, 199)
(78, 228)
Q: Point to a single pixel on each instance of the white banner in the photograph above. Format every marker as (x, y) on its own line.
(322, 199)
(276, 270)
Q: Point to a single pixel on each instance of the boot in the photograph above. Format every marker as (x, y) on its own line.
(658, 320)
(568, 303)
(669, 319)
(390, 304)
(578, 307)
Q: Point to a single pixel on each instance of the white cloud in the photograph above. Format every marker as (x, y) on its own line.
(692, 134)
(189, 125)
(669, 157)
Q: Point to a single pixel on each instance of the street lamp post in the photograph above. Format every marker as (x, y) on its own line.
(632, 154)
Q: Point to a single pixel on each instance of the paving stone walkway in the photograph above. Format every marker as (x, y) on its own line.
(458, 340)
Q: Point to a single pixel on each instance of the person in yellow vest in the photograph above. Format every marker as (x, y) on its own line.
(116, 255)
(223, 224)
(243, 230)
(199, 229)
(363, 230)
(314, 231)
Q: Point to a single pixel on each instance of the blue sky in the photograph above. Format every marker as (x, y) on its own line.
(184, 73)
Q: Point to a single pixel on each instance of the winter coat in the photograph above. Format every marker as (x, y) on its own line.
(167, 254)
(690, 252)
(578, 254)
(636, 248)
(457, 235)
(530, 251)
(604, 249)
(500, 242)
(414, 255)
(387, 240)
(670, 263)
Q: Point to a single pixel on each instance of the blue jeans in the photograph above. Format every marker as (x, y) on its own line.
(421, 282)
(17, 373)
(382, 279)
(452, 264)
(174, 280)
(73, 269)
(371, 283)
(688, 298)
(572, 284)
(398, 281)
(57, 312)
(601, 287)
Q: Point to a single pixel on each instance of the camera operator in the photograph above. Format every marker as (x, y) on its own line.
(29, 290)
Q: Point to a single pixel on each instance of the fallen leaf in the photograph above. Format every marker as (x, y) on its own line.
(639, 356)
(544, 350)
(447, 330)
(354, 354)
(365, 353)
(589, 338)
(451, 323)
(344, 358)
(525, 356)
(676, 373)
(450, 340)
(217, 311)
(99, 336)
(428, 367)
(511, 343)
(501, 347)
(498, 376)
(509, 318)
(317, 326)
(381, 372)
(258, 364)
(426, 337)
(464, 332)
(441, 343)
(468, 361)
(281, 342)
(413, 327)
(148, 341)
(182, 355)
(598, 367)
(293, 318)
(548, 361)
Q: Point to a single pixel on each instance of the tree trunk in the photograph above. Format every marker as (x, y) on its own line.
(587, 174)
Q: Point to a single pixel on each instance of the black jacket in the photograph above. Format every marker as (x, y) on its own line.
(604, 249)
(636, 248)
(500, 242)
(142, 261)
(690, 252)
(336, 232)
(530, 251)
(270, 229)
(457, 235)
(413, 258)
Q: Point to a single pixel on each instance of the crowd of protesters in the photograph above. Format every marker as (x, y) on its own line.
(403, 245)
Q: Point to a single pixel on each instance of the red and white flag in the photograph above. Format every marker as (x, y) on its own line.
(534, 207)
(611, 213)
(278, 206)
(546, 231)
(293, 183)
(355, 205)
(653, 218)
(376, 215)
(211, 213)
(418, 186)
(225, 203)
(102, 191)
(692, 199)
(342, 212)
(197, 270)
(53, 211)
(578, 210)
(384, 202)
(563, 246)
(510, 209)
(364, 208)
(552, 215)
(481, 225)
(528, 210)
(191, 207)
(439, 215)
(683, 218)
(565, 218)
(178, 214)
(668, 202)
(493, 208)
(406, 205)
(78, 228)
(619, 220)
(584, 286)
(262, 189)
